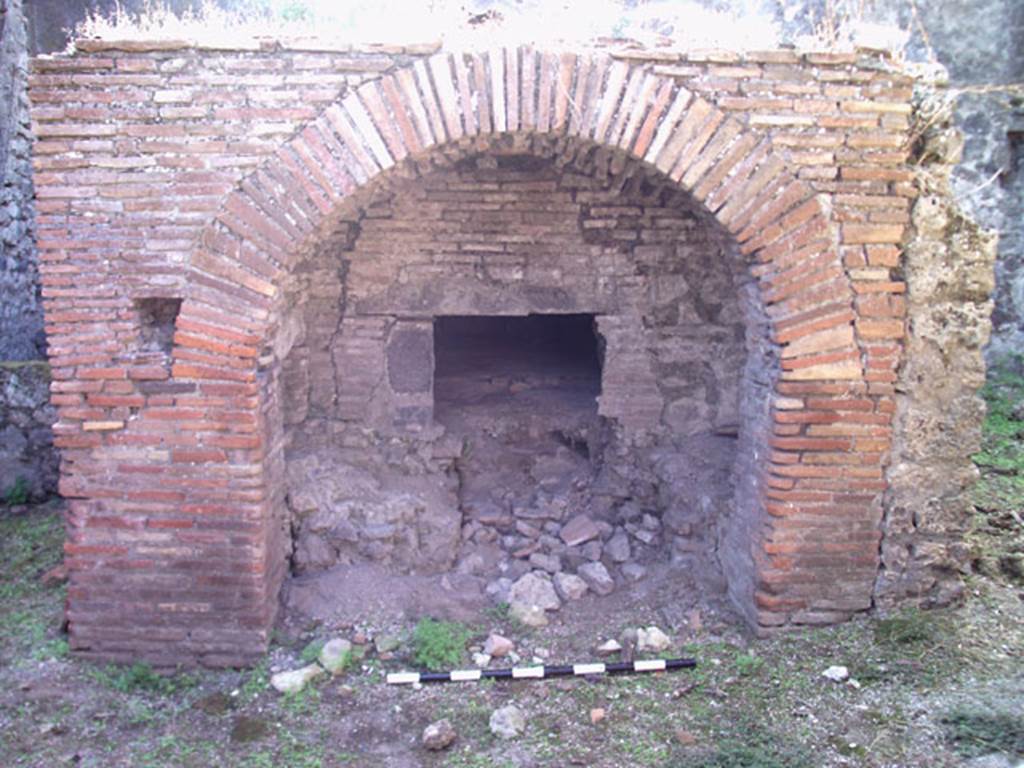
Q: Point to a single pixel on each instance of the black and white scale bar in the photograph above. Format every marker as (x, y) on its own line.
(540, 672)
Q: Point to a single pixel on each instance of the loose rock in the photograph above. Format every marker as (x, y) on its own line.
(597, 578)
(497, 646)
(608, 648)
(570, 586)
(439, 735)
(579, 530)
(534, 589)
(618, 548)
(295, 680)
(633, 571)
(597, 714)
(507, 722)
(336, 655)
(836, 674)
(652, 640)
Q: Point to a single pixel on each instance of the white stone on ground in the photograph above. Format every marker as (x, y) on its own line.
(335, 655)
(534, 589)
(439, 735)
(295, 680)
(651, 640)
(836, 673)
(507, 722)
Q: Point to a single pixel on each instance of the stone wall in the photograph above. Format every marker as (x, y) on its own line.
(21, 321)
(948, 264)
(28, 463)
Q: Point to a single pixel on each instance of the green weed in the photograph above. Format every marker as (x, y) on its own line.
(975, 732)
(17, 493)
(439, 645)
(141, 678)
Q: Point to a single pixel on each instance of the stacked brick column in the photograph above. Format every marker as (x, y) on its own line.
(206, 176)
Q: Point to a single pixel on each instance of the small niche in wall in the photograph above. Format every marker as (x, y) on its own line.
(1015, 164)
(157, 318)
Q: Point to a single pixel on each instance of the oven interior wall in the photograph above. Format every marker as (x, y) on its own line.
(378, 470)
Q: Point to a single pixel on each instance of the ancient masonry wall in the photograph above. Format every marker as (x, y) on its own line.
(27, 458)
(178, 188)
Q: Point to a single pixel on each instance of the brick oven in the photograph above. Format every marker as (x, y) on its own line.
(308, 307)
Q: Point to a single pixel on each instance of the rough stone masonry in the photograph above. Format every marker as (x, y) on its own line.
(186, 194)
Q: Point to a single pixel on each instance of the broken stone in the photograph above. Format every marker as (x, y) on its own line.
(652, 640)
(597, 578)
(439, 735)
(618, 547)
(535, 588)
(386, 643)
(646, 536)
(507, 722)
(570, 586)
(498, 589)
(549, 563)
(592, 550)
(481, 659)
(336, 655)
(530, 615)
(597, 714)
(633, 571)
(608, 648)
(579, 530)
(836, 674)
(497, 645)
(650, 522)
(295, 680)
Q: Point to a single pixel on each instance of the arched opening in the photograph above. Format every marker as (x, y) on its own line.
(435, 419)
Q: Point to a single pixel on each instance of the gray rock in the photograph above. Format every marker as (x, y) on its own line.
(578, 530)
(570, 586)
(386, 643)
(549, 563)
(295, 680)
(507, 722)
(597, 578)
(618, 548)
(530, 615)
(592, 550)
(499, 589)
(336, 655)
(535, 588)
(438, 736)
(633, 571)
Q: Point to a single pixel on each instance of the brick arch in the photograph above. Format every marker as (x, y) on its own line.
(245, 255)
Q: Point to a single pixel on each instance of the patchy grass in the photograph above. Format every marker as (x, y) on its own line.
(932, 688)
(997, 538)
(439, 645)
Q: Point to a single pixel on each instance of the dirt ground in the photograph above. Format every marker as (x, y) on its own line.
(942, 688)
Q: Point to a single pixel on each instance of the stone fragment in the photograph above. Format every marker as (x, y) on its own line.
(686, 738)
(608, 648)
(570, 586)
(633, 571)
(651, 640)
(549, 563)
(386, 643)
(597, 578)
(578, 530)
(592, 550)
(336, 655)
(438, 736)
(535, 588)
(481, 659)
(497, 645)
(499, 589)
(507, 722)
(597, 714)
(836, 673)
(618, 548)
(295, 680)
(530, 615)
